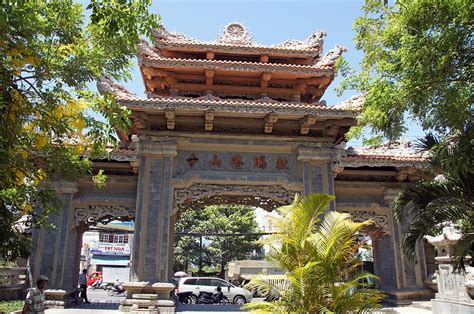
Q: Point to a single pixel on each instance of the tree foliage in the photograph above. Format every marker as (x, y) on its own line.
(320, 260)
(449, 197)
(219, 250)
(50, 53)
(417, 63)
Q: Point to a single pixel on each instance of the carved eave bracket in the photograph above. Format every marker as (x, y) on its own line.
(209, 120)
(264, 79)
(209, 77)
(270, 120)
(135, 165)
(140, 120)
(306, 122)
(170, 119)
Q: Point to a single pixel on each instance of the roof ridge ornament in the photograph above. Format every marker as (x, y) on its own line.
(145, 49)
(105, 84)
(330, 58)
(235, 34)
(315, 40)
(162, 34)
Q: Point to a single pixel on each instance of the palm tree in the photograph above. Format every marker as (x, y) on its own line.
(447, 197)
(319, 256)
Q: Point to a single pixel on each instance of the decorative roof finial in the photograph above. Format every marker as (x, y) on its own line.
(236, 34)
(105, 84)
(330, 58)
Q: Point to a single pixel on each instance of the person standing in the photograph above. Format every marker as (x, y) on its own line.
(34, 302)
(83, 285)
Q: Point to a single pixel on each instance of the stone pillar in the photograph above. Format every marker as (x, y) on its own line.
(151, 240)
(317, 174)
(56, 252)
(409, 278)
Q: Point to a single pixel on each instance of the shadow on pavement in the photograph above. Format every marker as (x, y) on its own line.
(98, 306)
(207, 308)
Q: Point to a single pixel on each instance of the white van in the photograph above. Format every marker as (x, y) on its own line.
(235, 294)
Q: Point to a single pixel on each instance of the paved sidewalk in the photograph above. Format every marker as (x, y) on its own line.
(397, 310)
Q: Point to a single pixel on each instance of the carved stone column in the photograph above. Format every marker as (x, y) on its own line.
(317, 170)
(409, 274)
(56, 252)
(150, 259)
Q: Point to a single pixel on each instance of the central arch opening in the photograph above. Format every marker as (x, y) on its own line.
(216, 231)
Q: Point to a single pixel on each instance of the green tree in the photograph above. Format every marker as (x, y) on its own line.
(449, 197)
(417, 64)
(320, 260)
(219, 250)
(49, 54)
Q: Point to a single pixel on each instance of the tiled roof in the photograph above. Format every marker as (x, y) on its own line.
(232, 105)
(383, 157)
(262, 48)
(158, 61)
(397, 154)
(230, 39)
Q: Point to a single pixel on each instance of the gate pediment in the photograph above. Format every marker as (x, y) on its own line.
(267, 197)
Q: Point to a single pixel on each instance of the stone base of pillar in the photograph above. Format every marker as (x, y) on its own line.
(147, 297)
(407, 296)
(62, 298)
(444, 306)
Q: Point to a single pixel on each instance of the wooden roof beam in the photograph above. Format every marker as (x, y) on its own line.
(234, 89)
(157, 82)
(152, 72)
(264, 58)
(306, 122)
(270, 120)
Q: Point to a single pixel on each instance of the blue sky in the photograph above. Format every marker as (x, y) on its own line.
(269, 22)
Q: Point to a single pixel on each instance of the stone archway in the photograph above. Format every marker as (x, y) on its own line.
(58, 250)
(198, 195)
(380, 233)
(91, 215)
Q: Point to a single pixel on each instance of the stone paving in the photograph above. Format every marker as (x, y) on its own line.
(103, 303)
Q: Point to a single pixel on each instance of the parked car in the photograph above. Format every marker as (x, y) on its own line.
(235, 294)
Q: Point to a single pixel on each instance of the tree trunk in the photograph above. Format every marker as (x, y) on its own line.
(222, 270)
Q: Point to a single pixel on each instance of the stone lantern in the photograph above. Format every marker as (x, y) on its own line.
(455, 288)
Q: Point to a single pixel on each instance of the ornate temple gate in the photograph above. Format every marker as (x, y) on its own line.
(231, 122)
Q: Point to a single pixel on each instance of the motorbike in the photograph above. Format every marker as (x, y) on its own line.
(115, 290)
(212, 298)
(185, 297)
